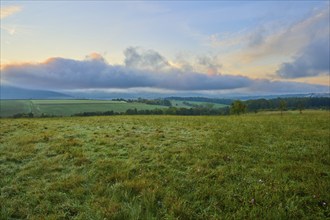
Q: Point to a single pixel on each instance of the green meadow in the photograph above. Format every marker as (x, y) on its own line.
(254, 166)
(67, 107)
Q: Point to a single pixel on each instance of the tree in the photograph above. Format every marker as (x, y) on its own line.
(300, 106)
(237, 107)
(282, 106)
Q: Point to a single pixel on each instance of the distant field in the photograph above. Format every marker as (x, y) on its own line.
(181, 104)
(67, 107)
(11, 107)
(255, 166)
(74, 101)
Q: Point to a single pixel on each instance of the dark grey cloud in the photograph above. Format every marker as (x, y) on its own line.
(59, 73)
(313, 60)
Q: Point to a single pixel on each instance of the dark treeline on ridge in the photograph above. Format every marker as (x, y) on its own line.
(167, 111)
(164, 102)
(293, 103)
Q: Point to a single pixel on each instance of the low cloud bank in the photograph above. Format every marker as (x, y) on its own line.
(142, 69)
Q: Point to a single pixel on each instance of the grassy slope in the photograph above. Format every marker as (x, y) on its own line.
(66, 107)
(166, 167)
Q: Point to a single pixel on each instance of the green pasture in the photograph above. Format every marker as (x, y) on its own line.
(255, 166)
(67, 107)
(11, 107)
(74, 101)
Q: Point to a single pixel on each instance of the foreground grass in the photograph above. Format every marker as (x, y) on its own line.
(166, 167)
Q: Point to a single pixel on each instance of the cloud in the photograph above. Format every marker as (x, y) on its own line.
(313, 60)
(9, 10)
(95, 56)
(182, 62)
(274, 39)
(285, 87)
(211, 64)
(257, 37)
(143, 69)
(144, 59)
(225, 40)
(287, 41)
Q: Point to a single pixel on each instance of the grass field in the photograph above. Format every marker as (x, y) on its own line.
(260, 166)
(67, 107)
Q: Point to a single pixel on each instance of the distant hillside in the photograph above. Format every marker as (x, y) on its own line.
(228, 99)
(305, 95)
(202, 99)
(10, 92)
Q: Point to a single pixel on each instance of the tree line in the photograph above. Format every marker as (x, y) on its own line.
(288, 103)
(281, 104)
(165, 111)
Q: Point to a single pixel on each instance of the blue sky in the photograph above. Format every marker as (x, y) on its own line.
(273, 41)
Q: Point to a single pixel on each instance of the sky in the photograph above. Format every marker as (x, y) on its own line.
(253, 47)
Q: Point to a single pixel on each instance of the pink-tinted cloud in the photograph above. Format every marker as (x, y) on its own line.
(9, 10)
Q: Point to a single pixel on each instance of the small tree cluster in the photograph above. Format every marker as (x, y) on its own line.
(237, 107)
(23, 115)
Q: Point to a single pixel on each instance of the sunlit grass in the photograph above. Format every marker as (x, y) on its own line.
(257, 166)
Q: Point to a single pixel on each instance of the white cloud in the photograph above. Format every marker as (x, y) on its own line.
(145, 59)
